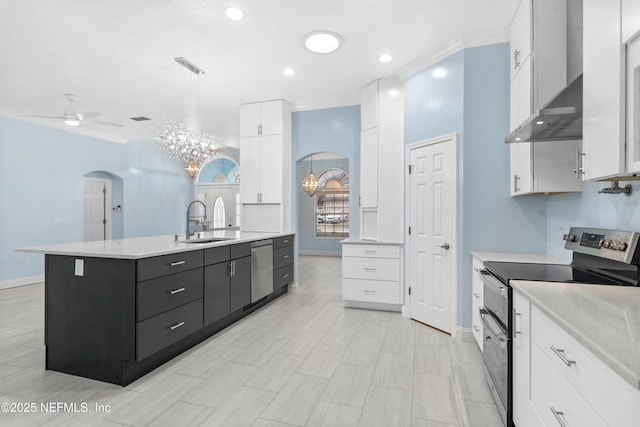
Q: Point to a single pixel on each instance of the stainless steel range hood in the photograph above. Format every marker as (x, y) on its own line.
(560, 119)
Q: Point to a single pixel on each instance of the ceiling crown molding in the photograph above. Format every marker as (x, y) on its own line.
(463, 42)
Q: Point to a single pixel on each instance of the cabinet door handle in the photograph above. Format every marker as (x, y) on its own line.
(560, 353)
(579, 169)
(476, 295)
(173, 264)
(176, 326)
(231, 268)
(515, 324)
(516, 178)
(516, 58)
(559, 416)
(176, 291)
(259, 129)
(369, 292)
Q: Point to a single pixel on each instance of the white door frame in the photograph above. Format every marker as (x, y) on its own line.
(447, 138)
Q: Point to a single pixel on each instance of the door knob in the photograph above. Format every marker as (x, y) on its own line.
(445, 246)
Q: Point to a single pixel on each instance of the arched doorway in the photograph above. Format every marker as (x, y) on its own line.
(218, 187)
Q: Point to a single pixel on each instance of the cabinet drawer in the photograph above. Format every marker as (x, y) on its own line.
(281, 242)
(162, 330)
(282, 257)
(550, 391)
(164, 293)
(217, 255)
(240, 250)
(149, 268)
(282, 276)
(371, 251)
(371, 268)
(371, 291)
(610, 395)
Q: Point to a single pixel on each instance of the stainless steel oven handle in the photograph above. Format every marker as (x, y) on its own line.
(492, 325)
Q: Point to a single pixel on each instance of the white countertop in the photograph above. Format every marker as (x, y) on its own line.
(517, 257)
(603, 318)
(144, 247)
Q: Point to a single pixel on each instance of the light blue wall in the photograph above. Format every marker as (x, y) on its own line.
(41, 171)
(307, 240)
(590, 209)
(335, 130)
(473, 101)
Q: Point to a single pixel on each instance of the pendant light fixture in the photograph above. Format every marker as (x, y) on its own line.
(310, 181)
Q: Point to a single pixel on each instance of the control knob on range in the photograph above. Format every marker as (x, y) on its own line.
(613, 245)
(622, 246)
(570, 237)
(607, 244)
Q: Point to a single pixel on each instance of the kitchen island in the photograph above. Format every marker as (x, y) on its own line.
(117, 309)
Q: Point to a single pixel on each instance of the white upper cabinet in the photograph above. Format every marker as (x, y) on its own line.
(630, 19)
(520, 36)
(261, 118)
(603, 96)
(381, 161)
(369, 107)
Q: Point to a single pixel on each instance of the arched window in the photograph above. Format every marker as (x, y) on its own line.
(220, 171)
(332, 204)
(219, 215)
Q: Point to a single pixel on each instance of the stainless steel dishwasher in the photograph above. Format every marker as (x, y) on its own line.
(261, 269)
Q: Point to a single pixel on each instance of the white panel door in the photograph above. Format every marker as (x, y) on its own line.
(433, 213)
(97, 209)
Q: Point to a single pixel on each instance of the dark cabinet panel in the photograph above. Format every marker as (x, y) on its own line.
(282, 277)
(149, 268)
(217, 283)
(158, 295)
(240, 283)
(240, 250)
(217, 255)
(282, 257)
(281, 242)
(162, 330)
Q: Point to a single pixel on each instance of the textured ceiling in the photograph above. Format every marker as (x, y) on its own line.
(118, 55)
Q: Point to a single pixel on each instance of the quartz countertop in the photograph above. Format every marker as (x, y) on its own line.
(517, 257)
(605, 319)
(144, 247)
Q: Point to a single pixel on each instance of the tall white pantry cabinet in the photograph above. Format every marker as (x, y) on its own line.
(265, 165)
(372, 266)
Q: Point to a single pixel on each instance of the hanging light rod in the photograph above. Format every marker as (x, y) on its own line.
(189, 65)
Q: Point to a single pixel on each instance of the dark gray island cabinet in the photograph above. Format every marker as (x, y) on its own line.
(114, 319)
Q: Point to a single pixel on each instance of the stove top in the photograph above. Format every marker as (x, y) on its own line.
(506, 271)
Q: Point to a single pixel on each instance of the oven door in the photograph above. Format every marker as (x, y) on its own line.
(496, 297)
(496, 360)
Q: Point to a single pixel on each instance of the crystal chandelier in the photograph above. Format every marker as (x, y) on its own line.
(310, 181)
(187, 145)
(183, 143)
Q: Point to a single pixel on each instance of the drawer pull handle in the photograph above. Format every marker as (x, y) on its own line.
(515, 328)
(370, 269)
(370, 252)
(560, 353)
(285, 241)
(177, 291)
(173, 264)
(285, 276)
(285, 256)
(369, 292)
(559, 416)
(477, 295)
(176, 326)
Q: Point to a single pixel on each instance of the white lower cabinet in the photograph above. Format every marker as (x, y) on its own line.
(558, 382)
(371, 275)
(477, 301)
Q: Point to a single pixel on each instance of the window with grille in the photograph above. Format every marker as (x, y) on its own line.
(332, 204)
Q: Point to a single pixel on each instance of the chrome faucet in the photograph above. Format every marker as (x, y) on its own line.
(187, 234)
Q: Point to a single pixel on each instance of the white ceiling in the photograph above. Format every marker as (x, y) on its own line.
(118, 55)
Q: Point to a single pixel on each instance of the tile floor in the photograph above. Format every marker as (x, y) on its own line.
(303, 360)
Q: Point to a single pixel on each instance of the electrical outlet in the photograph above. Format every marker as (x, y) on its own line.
(133, 218)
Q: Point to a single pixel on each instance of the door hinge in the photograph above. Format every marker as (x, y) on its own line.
(409, 169)
(409, 230)
(409, 290)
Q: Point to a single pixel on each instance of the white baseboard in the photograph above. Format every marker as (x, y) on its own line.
(372, 305)
(23, 281)
(319, 253)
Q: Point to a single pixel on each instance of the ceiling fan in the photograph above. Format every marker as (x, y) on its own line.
(73, 118)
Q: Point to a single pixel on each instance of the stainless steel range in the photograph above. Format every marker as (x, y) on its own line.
(599, 257)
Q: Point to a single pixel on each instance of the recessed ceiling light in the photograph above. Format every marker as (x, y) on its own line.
(288, 72)
(518, 139)
(322, 42)
(234, 13)
(385, 57)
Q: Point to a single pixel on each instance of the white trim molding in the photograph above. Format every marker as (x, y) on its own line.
(465, 41)
(23, 281)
